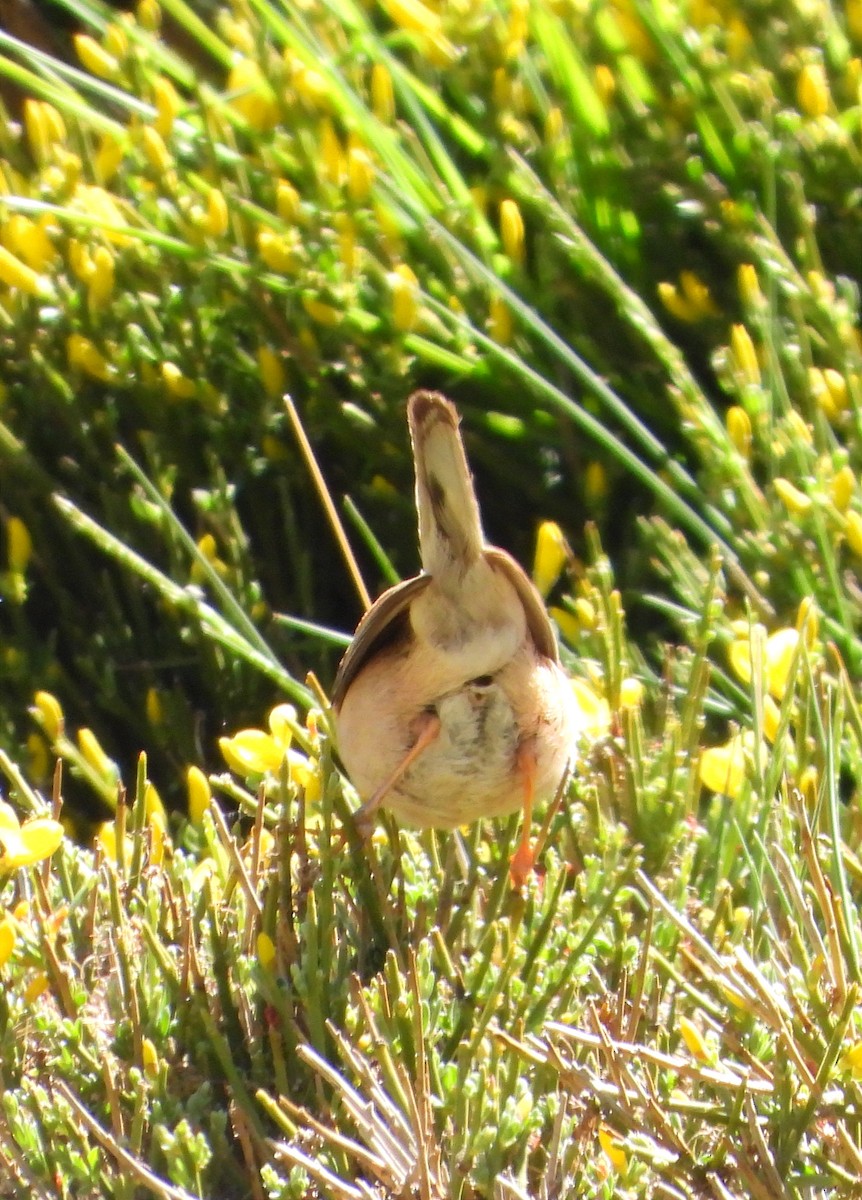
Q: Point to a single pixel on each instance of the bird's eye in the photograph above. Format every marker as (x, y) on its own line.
(482, 681)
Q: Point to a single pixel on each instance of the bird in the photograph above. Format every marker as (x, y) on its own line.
(450, 702)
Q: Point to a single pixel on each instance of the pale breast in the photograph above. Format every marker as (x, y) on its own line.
(469, 771)
(472, 769)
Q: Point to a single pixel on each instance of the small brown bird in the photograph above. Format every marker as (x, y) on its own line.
(450, 702)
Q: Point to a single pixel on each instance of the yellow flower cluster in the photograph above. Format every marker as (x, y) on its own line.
(23, 845)
(89, 759)
(19, 550)
(688, 300)
(725, 769)
(261, 754)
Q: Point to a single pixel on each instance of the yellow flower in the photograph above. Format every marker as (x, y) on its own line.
(312, 86)
(149, 15)
(516, 35)
(808, 784)
(749, 285)
(80, 261)
(795, 501)
(153, 803)
(551, 551)
(631, 692)
(199, 793)
(360, 173)
(155, 150)
(45, 128)
(319, 311)
(265, 951)
(237, 32)
(382, 94)
(723, 768)
(851, 1060)
(836, 385)
(92, 750)
(690, 300)
(585, 611)
(271, 369)
(281, 720)
(159, 840)
(167, 102)
(613, 1148)
(217, 217)
(841, 487)
(853, 532)
(100, 204)
(108, 158)
(23, 845)
(276, 251)
(208, 548)
(106, 838)
(697, 293)
(812, 91)
(800, 430)
(331, 153)
(744, 356)
(251, 95)
(19, 545)
(739, 429)
(808, 620)
(595, 711)
(567, 623)
(177, 384)
(555, 126)
(81, 353)
(414, 16)
(605, 83)
(738, 38)
(696, 1043)
(48, 712)
(512, 231)
(37, 986)
(16, 274)
(94, 58)
(30, 241)
(8, 937)
(771, 720)
(674, 302)
(100, 284)
(254, 752)
(116, 41)
(149, 1058)
(405, 297)
(829, 389)
(287, 201)
(779, 651)
(500, 321)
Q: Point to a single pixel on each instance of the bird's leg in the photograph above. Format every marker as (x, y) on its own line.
(427, 729)
(524, 859)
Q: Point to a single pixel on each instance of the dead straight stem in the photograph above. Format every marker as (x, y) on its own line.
(326, 501)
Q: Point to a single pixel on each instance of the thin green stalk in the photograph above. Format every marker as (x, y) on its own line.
(212, 623)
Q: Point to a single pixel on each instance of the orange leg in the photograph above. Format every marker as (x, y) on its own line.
(523, 860)
(429, 729)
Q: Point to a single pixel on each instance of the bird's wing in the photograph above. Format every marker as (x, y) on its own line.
(383, 623)
(538, 621)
